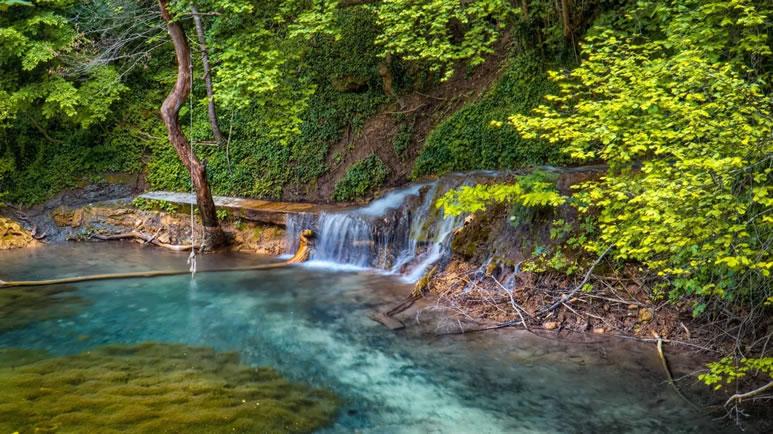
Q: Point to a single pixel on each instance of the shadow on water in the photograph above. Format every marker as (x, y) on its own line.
(312, 327)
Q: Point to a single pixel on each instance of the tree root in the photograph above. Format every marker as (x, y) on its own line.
(301, 255)
(146, 239)
(667, 369)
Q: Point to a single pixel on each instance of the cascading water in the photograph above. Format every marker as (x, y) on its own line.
(401, 232)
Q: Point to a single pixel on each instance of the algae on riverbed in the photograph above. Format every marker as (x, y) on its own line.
(153, 387)
(20, 307)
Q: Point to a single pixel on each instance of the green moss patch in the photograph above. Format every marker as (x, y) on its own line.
(151, 388)
(20, 307)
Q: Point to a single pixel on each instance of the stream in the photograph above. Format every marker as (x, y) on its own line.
(311, 324)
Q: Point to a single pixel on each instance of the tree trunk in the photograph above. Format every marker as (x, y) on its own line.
(567, 19)
(170, 109)
(211, 110)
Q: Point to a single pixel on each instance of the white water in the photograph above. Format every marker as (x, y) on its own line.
(400, 233)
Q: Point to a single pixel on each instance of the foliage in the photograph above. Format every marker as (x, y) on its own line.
(686, 132)
(469, 140)
(269, 152)
(402, 140)
(153, 204)
(442, 33)
(50, 111)
(361, 179)
(728, 371)
(535, 190)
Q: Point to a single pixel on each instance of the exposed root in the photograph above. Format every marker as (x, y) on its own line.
(667, 369)
(145, 239)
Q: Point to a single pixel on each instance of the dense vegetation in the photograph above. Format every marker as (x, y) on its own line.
(290, 81)
(673, 97)
(468, 141)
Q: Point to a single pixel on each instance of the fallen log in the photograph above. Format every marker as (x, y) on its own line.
(301, 255)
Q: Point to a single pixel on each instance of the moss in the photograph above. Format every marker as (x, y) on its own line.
(20, 307)
(149, 388)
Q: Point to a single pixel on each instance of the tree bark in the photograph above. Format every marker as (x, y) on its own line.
(170, 109)
(211, 109)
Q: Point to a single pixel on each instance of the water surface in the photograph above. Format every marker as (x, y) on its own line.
(312, 326)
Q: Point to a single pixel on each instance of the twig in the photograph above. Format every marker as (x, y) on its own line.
(584, 280)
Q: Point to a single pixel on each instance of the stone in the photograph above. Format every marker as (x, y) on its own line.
(599, 330)
(550, 325)
(645, 315)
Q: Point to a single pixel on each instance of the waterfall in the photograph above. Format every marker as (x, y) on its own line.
(401, 233)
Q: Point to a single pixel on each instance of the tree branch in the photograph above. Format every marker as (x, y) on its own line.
(211, 109)
(571, 293)
(738, 397)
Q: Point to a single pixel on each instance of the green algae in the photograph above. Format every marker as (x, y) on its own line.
(150, 388)
(20, 307)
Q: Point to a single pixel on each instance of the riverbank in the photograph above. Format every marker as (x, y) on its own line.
(469, 273)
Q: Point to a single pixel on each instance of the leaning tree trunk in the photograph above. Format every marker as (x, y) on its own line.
(170, 109)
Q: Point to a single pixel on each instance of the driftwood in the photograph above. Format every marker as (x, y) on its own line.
(301, 255)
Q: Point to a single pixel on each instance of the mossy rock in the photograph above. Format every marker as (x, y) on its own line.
(22, 306)
(151, 388)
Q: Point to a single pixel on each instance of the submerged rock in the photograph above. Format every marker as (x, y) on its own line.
(153, 387)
